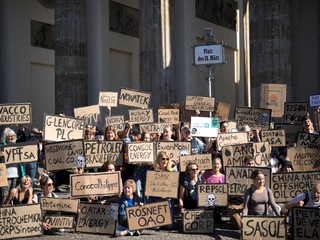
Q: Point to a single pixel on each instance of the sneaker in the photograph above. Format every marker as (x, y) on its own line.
(137, 233)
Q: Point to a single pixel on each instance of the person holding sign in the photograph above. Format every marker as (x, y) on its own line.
(197, 146)
(308, 125)
(215, 175)
(110, 133)
(90, 132)
(23, 194)
(258, 197)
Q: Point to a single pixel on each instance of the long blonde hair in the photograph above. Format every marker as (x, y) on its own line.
(160, 155)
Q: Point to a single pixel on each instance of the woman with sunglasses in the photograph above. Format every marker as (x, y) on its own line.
(21, 194)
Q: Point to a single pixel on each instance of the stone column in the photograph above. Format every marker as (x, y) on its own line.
(70, 55)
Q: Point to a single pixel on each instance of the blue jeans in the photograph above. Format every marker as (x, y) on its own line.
(31, 170)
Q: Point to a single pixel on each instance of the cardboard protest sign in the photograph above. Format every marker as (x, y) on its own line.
(20, 221)
(204, 161)
(3, 175)
(108, 99)
(212, 195)
(91, 115)
(97, 153)
(233, 155)
(294, 112)
(25, 152)
(99, 184)
(15, 113)
(62, 155)
(97, 218)
(273, 96)
(141, 152)
(263, 227)
(304, 159)
(305, 223)
(168, 115)
(58, 128)
(232, 126)
(275, 138)
(255, 118)
(141, 116)
(200, 103)
(153, 127)
(59, 204)
(286, 186)
(149, 215)
(222, 110)
(117, 122)
(198, 221)
(291, 130)
(59, 221)
(174, 149)
(314, 100)
(162, 184)
(317, 117)
(184, 115)
(134, 98)
(204, 127)
(308, 140)
(231, 138)
(239, 178)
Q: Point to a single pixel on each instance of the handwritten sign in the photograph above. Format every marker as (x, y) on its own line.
(58, 128)
(20, 221)
(286, 186)
(275, 138)
(141, 152)
(212, 195)
(317, 118)
(99, 184)
(149, 216)
(59, 204)
(3, 175)
(134, 98)
(91, 115)
(295, 112)
(314, 100)
(25, 152)
(141, 116)
(200, 103)
(198, 221)
(291, 130)
(239, 178)
(222, 110)
(204, 161)
(263, 227)
(174, 149)
(304, 159)
(108, 99)
(162, 184)
(273, 96)
(97, 153)
(15, 113)
(234, 155)
(153, 127)
(62, 155)
(227, 139)
(255, 118)
(97, 218)
(204, 126)
(308, 140)
(168, 115)
(305, 223)
(59, 221)
(117, 122)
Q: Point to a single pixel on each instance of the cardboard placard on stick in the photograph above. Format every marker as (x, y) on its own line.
(59, 221)
(291, 130)
(286, 186)
(25, 152)
(58, 128)
(234, 155)
(227, 139)
(134, 98)
(141, 116)
(200, 103)
(204, 161)
(304, 159)
(91, 115)
(263, 227)
(222, 110)
(273, 96)
(198, 221)
(275, 138)
(294, 112)
(317, 117)
(174, 149)
(108, 99)
(15, 113)
(3, 175)
(141, 152)
(168, 115)
(20, 221)
(308, 140)
(62, 155)
(305, 223)
(162, 184)
(59, 204)
(97, 218)
(149, 215)
(204, 127)
(212, 195)
(255, 118)
(117, 122)
(99, 184)
(97, 153)
(153, 127)
(239, 178)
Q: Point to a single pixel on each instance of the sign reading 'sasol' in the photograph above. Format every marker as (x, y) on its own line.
(198, 221)
(15, 113)
(25, 152)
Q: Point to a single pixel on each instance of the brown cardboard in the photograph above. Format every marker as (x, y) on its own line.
(117, 122)
(273, 96)
(141, 152)
(294, 112)
(304, 159)
(204, 161)
(201, 103)
(141, 116)
(255, 118)
(275, 138)
(305, 223)
(153, 127)
(134, 98)
(108, 99)
(231, 138)
(291, 130)
(308, 140)
(59, 221)
(222, 110)
(168, 116)
(174, 149)
(198, 221)
(59, 204)
(3, 175)
(15, 113)
(212, 195)
(25, 152)
(91, 114)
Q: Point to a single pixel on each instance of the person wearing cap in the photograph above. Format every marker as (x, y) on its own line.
(286, 166)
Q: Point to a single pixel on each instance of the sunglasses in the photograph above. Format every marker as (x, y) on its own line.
(165, 159)
(50, 184)
(193, 169)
